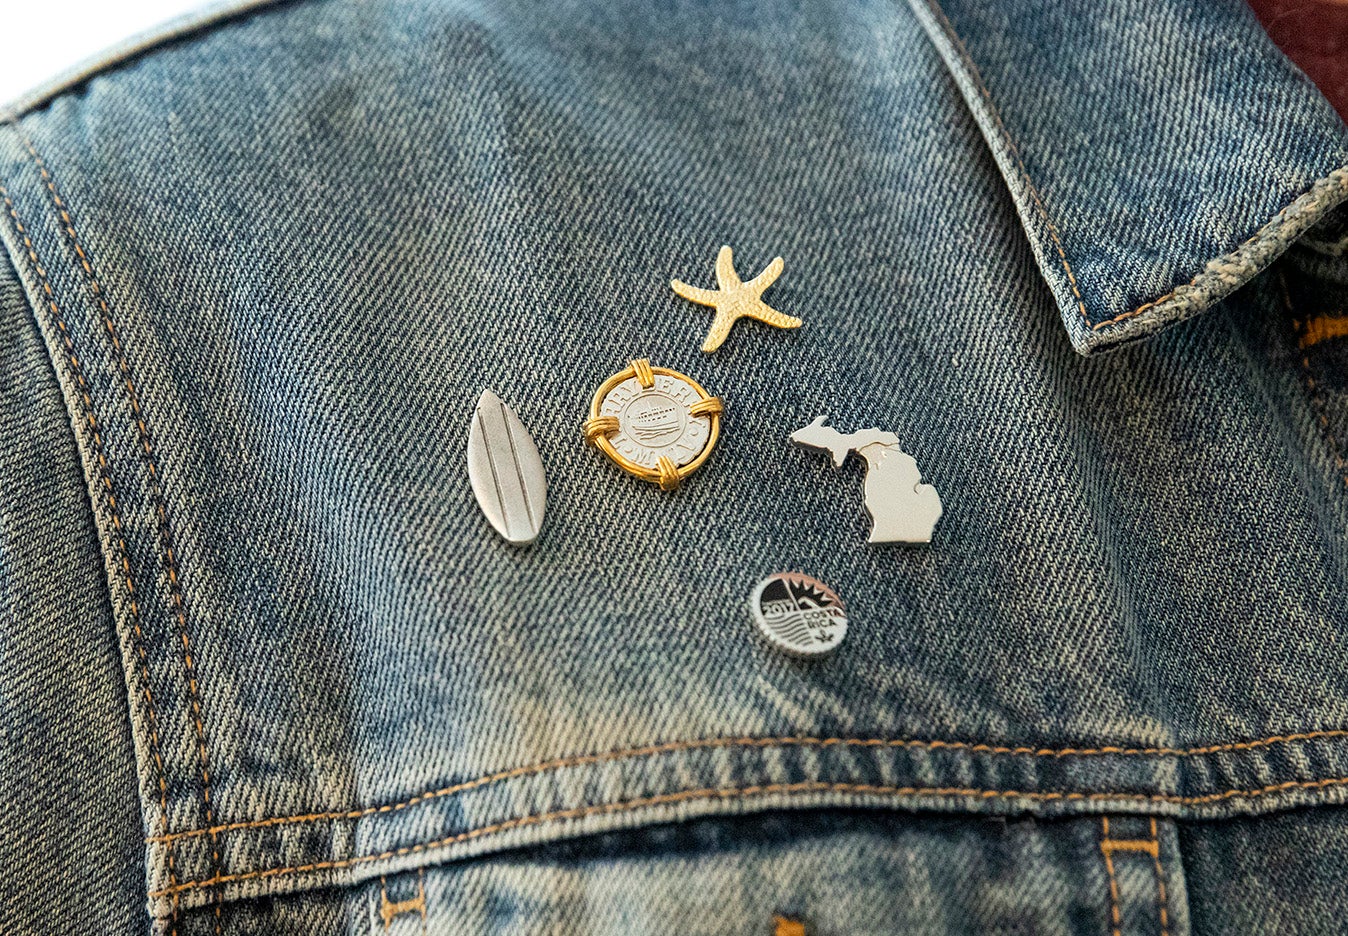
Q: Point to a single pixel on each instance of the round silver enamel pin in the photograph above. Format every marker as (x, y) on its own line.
(799, 615)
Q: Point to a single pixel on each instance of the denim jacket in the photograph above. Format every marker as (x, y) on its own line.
(268, 669)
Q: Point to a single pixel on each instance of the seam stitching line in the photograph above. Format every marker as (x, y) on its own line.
(383, 900)
(1260, 233)
(736, 793)
(1115, 917)
(156, 494)
(714, 743)
(389, 910)
(1015, 152)
(105, 475)
(1162, 904)
(421, 897)
(1147, 846)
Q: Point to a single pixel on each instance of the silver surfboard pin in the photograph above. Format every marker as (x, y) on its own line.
(505, 471)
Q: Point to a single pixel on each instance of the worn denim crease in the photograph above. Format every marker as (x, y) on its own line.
(179, 609)
(1224, 273)
(105, 476)
(1214, 279)
(1010, 143)
(581, 760)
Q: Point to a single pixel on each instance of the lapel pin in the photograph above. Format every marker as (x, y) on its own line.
(799, 615)
(902, 508)
(505, 471)
(734, 300)
(654, 423)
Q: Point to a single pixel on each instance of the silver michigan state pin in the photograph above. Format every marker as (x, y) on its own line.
(902, 508)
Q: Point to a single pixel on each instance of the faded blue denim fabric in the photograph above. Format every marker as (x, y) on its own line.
(71, 841)
(268, 669)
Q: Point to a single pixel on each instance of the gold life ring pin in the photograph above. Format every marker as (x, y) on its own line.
(654, 423)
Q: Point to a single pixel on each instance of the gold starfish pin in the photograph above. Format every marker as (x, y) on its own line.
(735, 300)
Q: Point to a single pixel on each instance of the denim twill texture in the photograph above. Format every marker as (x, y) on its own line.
(270, 263)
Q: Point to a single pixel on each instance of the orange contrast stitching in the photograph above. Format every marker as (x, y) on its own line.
(383, 900)
(1105, 849)
(1317, 397)
(389, 910)
(1020, 163)
(1148, 846)
(156, 494)
(421, 896)
(675, 746)
(787, 927)
(1162, 904)
(711, 793)
(1322, 328)
(105, 475)
(1258, 235)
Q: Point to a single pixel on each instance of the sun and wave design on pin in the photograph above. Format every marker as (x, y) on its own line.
(799, 615)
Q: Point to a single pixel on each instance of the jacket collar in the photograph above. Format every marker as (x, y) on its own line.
(1159, 155)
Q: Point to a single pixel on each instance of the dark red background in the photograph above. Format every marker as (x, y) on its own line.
(1314, 34)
